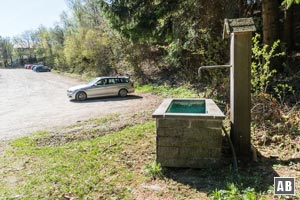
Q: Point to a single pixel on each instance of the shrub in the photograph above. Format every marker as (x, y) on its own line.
(260, 66)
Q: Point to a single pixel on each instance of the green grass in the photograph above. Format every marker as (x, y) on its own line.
(91, 168)
(153, 170)
(117, 165)
(233, 192)
(84, 77)
(167, 91)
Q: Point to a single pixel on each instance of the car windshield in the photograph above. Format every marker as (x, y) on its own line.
(94, 81)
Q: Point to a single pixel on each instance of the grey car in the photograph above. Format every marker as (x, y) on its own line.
(102, 86)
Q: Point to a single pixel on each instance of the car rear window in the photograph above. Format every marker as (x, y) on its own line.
(122, 80)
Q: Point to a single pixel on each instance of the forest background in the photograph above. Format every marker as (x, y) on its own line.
(163, 43)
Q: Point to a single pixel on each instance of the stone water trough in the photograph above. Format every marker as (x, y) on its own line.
(188, 133)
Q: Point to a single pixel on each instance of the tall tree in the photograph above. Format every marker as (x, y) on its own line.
(188, 32)
(270, 18)
(87, 13)
(25, 45)
(288, 33)
(6, 49)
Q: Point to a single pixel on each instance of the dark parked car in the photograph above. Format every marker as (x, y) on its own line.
(42, 68)
(34, 66)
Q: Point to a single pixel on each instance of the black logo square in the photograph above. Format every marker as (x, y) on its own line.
(284, 186)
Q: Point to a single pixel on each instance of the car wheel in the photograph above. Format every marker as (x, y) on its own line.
(123, 93)
(81, 96)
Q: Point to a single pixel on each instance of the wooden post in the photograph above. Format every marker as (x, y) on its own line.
(240, 93)
(240, 32)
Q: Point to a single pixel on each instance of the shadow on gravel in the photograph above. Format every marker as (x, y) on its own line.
(108, 99)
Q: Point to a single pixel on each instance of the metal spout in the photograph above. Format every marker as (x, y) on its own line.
(209, 67)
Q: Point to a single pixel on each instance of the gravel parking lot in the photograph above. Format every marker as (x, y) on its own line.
(37, 101)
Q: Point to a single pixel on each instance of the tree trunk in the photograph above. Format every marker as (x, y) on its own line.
(270, 9)
(287, 34)
(296, 27)
(5, 63)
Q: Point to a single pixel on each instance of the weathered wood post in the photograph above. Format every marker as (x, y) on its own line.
(240, 33)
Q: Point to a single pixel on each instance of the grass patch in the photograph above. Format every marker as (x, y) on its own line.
(153, 170)
(167, 91)
(93, 128)
(233, 192)
(95, 168)
(104, 120)
(84, 77)
(119, 165)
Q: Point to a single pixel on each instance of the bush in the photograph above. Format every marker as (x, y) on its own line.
(260, 66)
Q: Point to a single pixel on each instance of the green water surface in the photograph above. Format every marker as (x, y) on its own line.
(187, 106)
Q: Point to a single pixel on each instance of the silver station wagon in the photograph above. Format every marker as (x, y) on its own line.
(102, 86)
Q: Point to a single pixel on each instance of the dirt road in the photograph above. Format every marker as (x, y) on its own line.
(33, 101)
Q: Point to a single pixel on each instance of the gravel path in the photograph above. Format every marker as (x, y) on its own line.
(37, 101)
